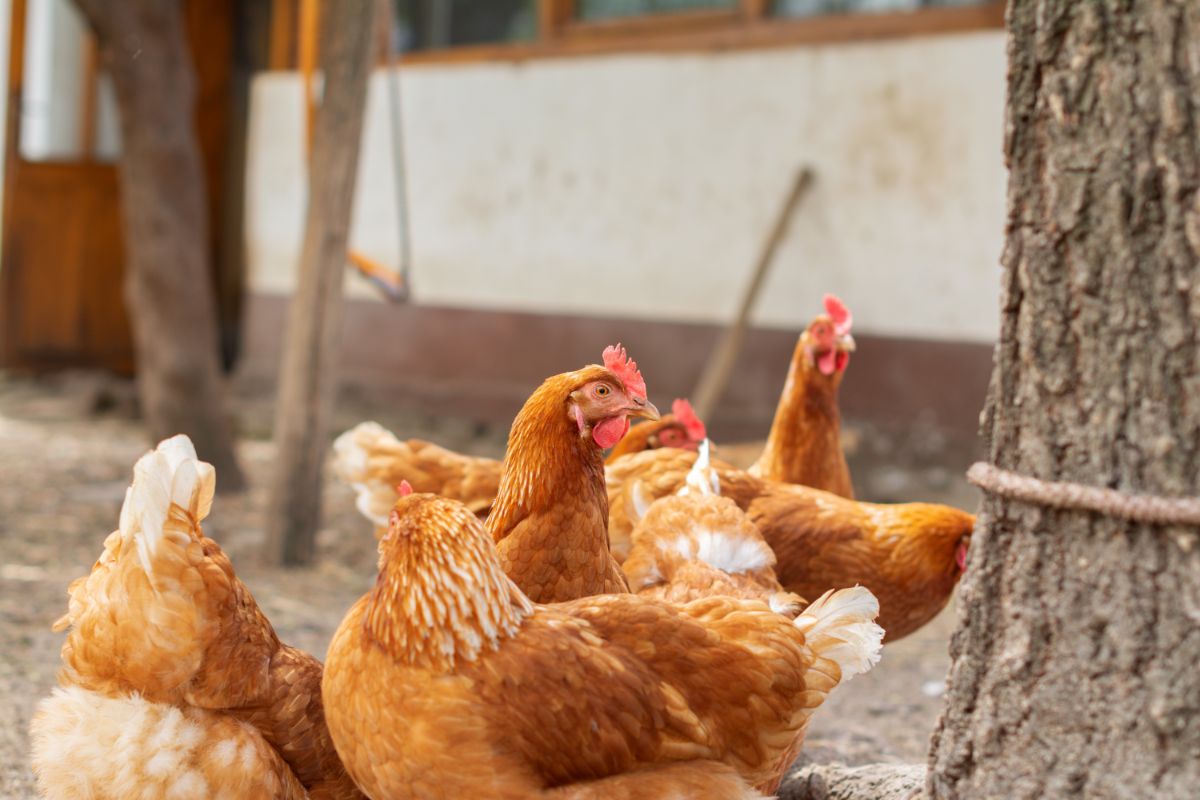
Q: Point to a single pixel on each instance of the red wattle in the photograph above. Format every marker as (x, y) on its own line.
(960, 556)
(608, 432)
(827, 362)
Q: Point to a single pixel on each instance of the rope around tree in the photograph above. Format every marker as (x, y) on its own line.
(1075, 496)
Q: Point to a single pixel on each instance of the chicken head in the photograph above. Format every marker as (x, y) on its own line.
(602, 406)
(827, 341)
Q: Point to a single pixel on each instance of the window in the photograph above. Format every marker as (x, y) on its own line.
(428, 31)
(593, 10)
(430, 24)
(811, 8)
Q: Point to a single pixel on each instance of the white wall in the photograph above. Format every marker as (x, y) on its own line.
(642, 185)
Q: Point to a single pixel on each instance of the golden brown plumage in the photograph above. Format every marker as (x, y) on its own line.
(804, 445)
(907, 554)
(697, 544)
(173, 682)
(550, 518)
(446, 681)
(373, 461)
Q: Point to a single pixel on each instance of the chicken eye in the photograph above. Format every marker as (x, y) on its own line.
(602, 390)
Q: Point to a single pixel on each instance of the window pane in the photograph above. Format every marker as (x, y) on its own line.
(612, 9)
(426, 24)
(811, 8)
(67, 107)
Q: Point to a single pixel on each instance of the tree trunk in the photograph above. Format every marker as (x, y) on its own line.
(168, 290)
(308, 380)
(1074, 662)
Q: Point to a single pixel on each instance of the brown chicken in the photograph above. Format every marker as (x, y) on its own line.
(372, 461)
(173, 682)
(681, 428)
(697, 544)
(550, 518)
(910, 555)
(445, 680)
(804, 445)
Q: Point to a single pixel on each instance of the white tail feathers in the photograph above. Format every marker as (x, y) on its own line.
(840, 625)
(639, 504)
(351, 453)
(171, 474)
(350, 449)
(702, 479)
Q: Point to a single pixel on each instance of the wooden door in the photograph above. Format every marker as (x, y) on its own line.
(61, 253)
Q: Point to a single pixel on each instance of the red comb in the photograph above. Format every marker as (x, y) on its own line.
(838, 312)
(686, 416)
(620, 364)
(404, 488)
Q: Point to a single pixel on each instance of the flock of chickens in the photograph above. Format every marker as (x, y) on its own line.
(659, 625)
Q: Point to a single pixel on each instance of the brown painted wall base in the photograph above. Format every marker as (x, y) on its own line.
(485, 363)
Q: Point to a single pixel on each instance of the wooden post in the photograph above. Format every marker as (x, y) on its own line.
(308, 377)
(251, 45)
(168, 290)
(720, 365)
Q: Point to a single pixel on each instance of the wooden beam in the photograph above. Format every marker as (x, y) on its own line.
(9, 311)
(87, 125)
(251, 50)
(282, 49)
(306, 49)
(754, 9)
(552, 16)
(308, 380)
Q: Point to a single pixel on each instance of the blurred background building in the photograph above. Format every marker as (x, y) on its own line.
(556, 175)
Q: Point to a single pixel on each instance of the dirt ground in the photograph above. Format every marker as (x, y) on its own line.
(67, 446)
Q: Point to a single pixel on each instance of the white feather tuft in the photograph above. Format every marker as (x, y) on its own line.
(639, 502)
(169, 474)
(351, 460)
(364, 501)
(839, 625)
(350, 449)
(702, 479)
(732, 554)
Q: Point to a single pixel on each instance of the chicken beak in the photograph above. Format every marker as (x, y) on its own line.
(846, 343)
(643, 408)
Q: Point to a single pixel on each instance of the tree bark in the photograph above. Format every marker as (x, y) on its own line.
(168, 290)
(308, 380)
(1074, 661)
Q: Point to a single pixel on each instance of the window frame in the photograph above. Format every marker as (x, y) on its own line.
(560, 34)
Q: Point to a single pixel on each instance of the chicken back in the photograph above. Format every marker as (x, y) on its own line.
(445, 680)
(173, 683)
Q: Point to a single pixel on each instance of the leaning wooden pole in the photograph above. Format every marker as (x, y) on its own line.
(308, 377)
(716, 374)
